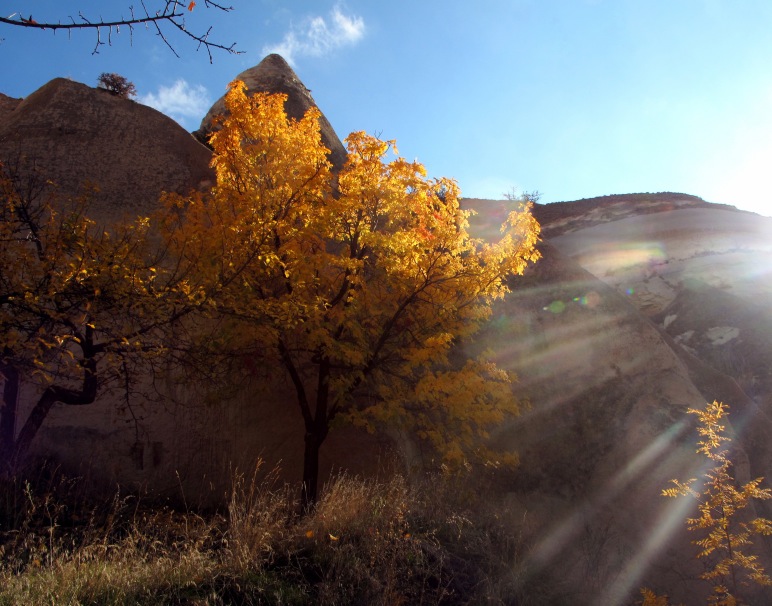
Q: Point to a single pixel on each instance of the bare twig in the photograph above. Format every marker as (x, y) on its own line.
(172, 15)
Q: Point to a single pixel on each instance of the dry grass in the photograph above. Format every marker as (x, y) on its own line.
(367, 542)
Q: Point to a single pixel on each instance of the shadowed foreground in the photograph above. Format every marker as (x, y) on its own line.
(368, 542)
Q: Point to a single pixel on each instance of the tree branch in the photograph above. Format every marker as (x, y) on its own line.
(297, 381)
(172, 13)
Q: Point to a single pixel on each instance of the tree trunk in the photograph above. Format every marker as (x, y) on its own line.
(8, 412)
(310, 489)
(53, 394)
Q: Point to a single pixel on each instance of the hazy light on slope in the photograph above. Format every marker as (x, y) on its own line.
(616, 257)
(573, 332)
(568, 528)
(671, 519)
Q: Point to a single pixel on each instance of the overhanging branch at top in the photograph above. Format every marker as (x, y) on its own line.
(172, 14)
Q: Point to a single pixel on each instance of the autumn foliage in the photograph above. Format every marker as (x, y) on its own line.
(357, 285)
(81, 307)
(726, 534)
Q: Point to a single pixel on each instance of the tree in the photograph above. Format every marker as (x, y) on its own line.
(117, 85)
(80, 306)
(532, 197)
(171, 13)
(726, 537)
(356, 285)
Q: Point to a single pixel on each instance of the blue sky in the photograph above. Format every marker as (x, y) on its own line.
(574, 98)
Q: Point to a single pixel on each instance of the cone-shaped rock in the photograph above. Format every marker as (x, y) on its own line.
(274, 75)
(74, 135)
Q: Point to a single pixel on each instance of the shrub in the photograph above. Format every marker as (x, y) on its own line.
(117, 85)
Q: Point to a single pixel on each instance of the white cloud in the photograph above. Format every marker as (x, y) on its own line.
(181, 101)
(318, 36)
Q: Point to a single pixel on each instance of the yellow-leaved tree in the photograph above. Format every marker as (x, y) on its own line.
(727, 537)
(80, 307)
(357, 285)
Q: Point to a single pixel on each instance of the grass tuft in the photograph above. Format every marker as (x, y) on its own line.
(366, 542)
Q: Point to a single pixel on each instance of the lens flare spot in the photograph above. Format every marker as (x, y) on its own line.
(556, 307)
(591, 299)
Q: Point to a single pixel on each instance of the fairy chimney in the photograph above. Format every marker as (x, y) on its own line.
(274, 75)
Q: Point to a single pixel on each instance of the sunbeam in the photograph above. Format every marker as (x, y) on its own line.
(630, 577)
(557, 538)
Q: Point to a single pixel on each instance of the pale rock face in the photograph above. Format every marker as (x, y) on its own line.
(626, 322)
(649, 256)
(719, 335)
(606, 429)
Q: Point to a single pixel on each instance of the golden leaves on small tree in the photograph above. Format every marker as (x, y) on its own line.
(720, 503)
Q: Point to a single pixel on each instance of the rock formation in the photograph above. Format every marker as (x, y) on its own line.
(643, 306)
(274, 75)
(7, 105)
(76, 136)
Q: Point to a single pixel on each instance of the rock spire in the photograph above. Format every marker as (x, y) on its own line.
(274, 75)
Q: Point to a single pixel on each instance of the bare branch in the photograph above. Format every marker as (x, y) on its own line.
(171, 15)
